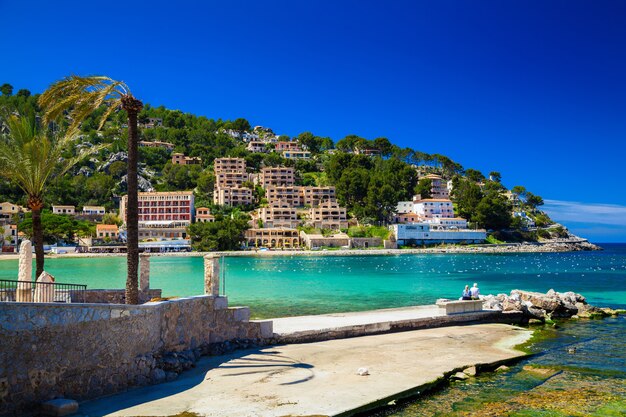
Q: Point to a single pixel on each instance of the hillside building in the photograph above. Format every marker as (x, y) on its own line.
(296, 154)
(279, 214)
(203, 215)
(229, 165)
(156, 144)
(277, 176)
(314, 196)
(181, 159)
(287, 146)
(8, 210)
(439, 188)
(328, 215)
(69, 210)
(233, 196)
(97, 211)
(291, 195)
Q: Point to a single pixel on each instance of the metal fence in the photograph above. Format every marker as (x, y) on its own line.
(41, 292)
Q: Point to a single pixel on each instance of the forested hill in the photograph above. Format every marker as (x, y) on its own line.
(369, 186)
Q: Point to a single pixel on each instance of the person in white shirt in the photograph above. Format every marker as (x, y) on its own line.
(474, 292)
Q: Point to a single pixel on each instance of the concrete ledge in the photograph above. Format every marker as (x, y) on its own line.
(387, 321)
(459, 306)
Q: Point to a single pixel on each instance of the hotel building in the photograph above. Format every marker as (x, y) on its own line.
(163, 215)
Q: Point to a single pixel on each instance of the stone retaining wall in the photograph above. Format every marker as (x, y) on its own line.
(113, 296)
(88, 350)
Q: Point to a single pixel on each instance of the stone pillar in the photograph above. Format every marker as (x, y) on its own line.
(144, 272)
(212, 275)
(24, 290)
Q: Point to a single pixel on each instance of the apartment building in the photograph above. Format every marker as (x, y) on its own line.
(279, 214)
(291, 195)
(203, 215)
(314, 196)
(287, 146)
(257, 146)
(439, 188)
(328, 215)
(181, 159)
(275, 237)
(232, 196)
(277, 176)
(162, 215)
(230, 179)
(229, 165)
(71, 210)
(8, 210)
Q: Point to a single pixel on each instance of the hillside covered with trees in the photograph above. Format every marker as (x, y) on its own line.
(370, 176)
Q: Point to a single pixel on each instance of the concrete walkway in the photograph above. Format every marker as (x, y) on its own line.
(318, 378)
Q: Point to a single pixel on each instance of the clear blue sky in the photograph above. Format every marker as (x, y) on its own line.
(533, 89)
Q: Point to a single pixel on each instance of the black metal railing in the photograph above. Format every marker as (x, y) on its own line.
(41, 292)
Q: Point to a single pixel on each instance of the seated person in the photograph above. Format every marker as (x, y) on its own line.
(466, 294)
(474, 292)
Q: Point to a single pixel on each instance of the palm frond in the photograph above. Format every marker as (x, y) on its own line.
(30, 157)
(80, 96)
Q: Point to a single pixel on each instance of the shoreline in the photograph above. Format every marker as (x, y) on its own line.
(543, 247)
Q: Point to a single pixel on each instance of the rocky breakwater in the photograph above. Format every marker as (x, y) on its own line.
(544, 308)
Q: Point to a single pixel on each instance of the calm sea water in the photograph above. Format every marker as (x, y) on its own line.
(578, 371)
(295, 285)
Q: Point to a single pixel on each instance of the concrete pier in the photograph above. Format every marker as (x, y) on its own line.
(319, 378)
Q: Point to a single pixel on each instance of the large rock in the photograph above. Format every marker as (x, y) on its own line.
(540, 306)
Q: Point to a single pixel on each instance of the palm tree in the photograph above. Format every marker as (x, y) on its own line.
(81, 96)
(30, 157)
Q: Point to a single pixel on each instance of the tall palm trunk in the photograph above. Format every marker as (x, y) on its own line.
(132, 107)
(37, 237)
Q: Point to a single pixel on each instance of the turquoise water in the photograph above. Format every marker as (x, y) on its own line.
(558, 382)
(294, 285)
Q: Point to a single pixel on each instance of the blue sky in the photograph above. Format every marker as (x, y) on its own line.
(533, 89)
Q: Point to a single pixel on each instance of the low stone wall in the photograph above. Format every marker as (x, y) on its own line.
(88, 350)
(112, 296)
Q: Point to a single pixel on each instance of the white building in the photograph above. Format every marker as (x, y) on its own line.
(71, 210)
(93, 211)
(426, 233)
(404, 207)
(433, 207)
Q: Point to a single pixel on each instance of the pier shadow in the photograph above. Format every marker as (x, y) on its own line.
(267, 362)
